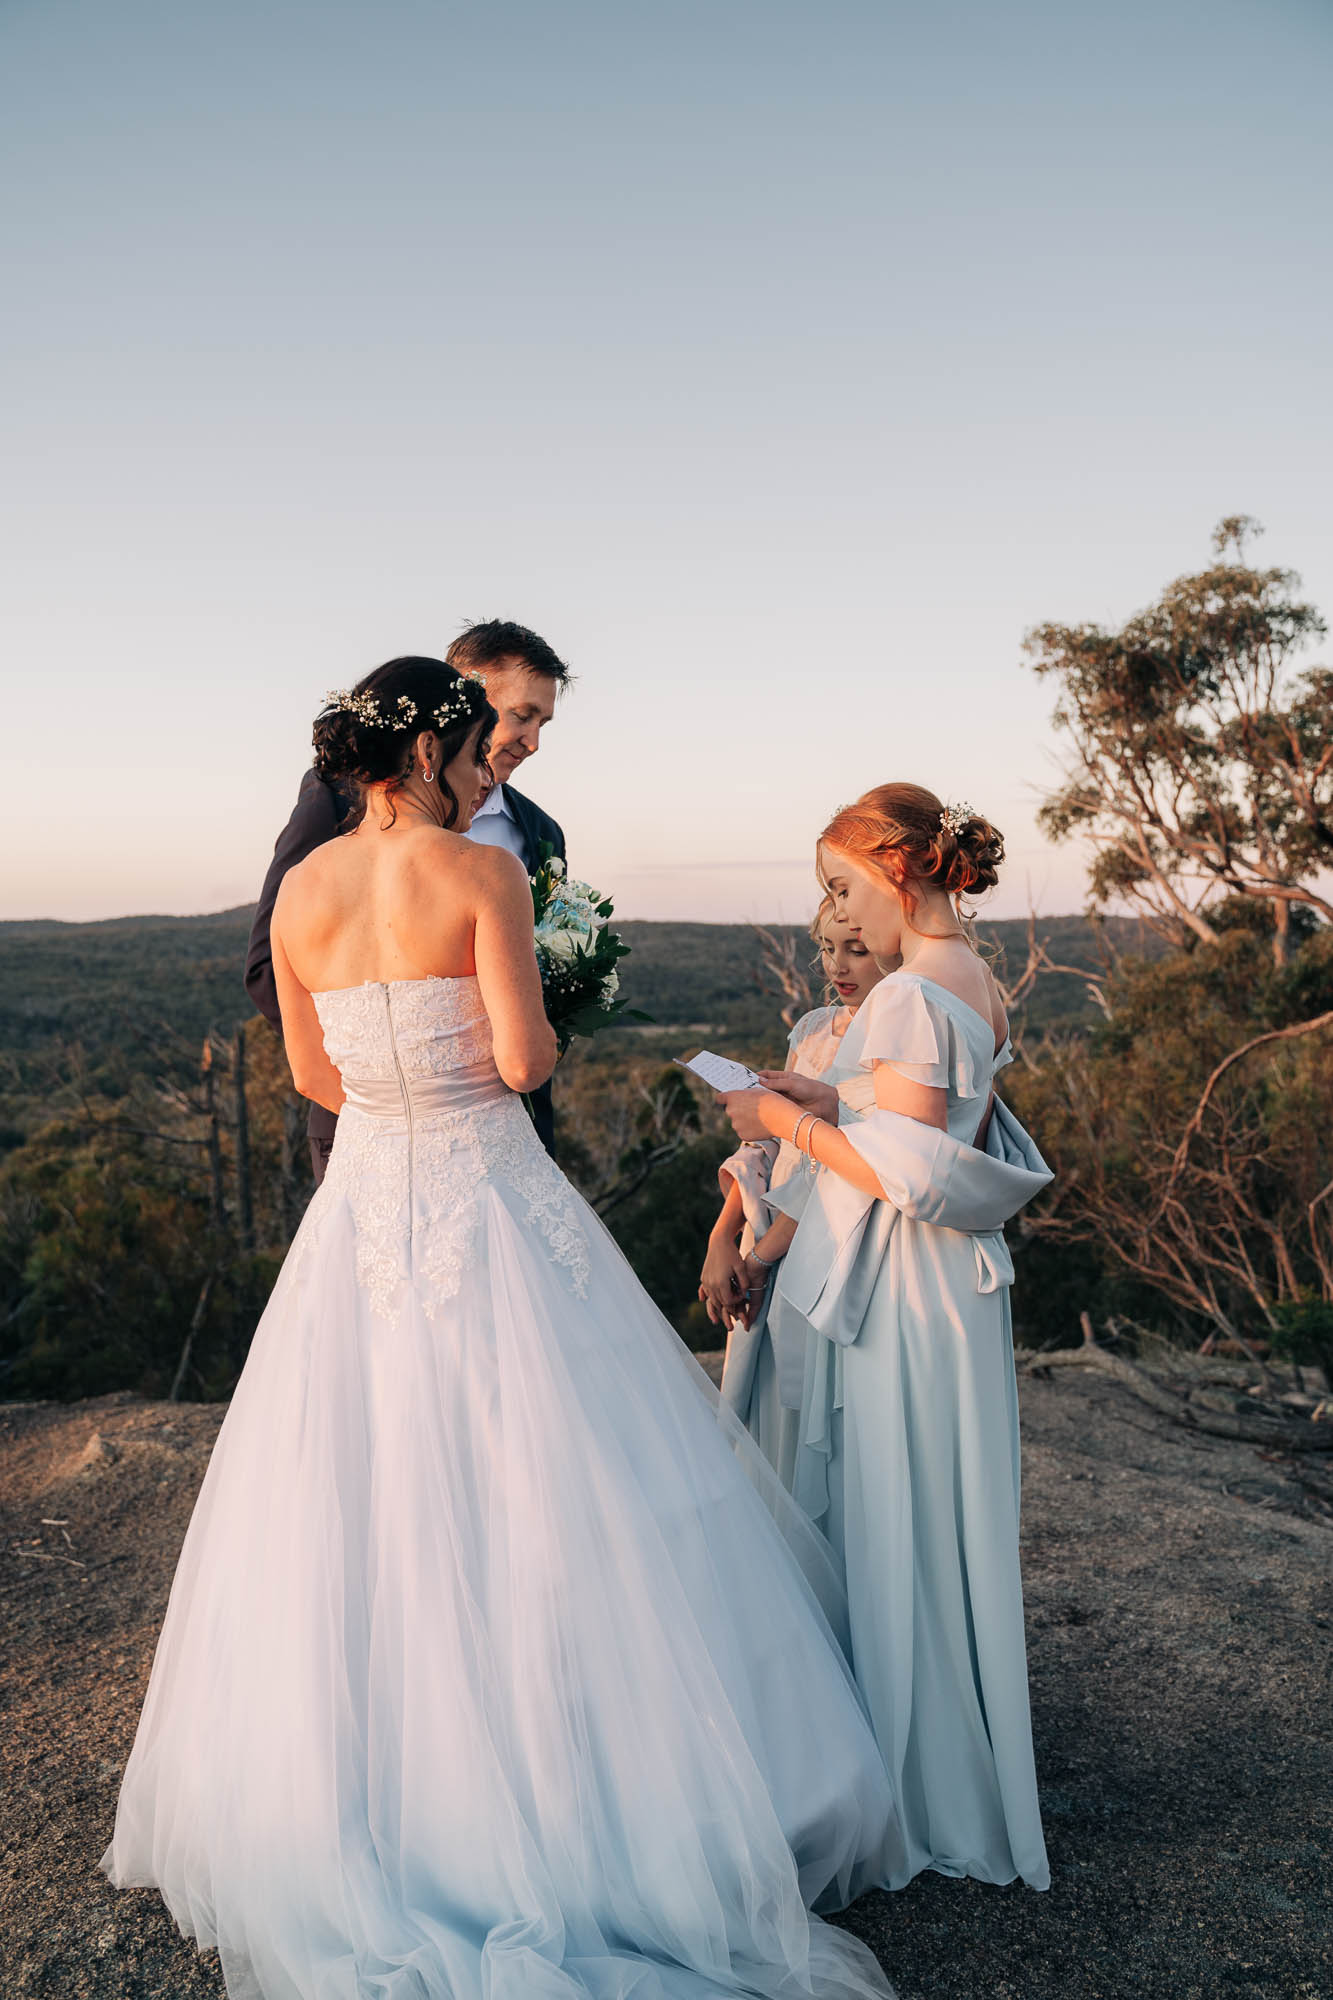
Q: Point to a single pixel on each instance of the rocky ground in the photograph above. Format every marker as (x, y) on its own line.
(1180, 1616)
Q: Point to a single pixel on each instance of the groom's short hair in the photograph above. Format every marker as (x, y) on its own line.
(482, 646)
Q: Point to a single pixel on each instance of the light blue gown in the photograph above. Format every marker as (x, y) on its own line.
(909, 1452)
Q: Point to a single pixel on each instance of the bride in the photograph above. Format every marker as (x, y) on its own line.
(491, 1654)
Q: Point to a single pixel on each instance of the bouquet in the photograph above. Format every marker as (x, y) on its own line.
(577, 953)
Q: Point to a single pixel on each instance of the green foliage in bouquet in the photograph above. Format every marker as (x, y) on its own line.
(578, 953)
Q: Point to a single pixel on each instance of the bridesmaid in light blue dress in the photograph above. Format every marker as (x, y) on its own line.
(909, 1453)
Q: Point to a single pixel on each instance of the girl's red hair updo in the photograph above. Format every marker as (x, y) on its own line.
(952, 848)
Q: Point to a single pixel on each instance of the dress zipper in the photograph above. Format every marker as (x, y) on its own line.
(407, 1112)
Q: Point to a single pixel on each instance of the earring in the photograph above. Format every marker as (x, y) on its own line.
(427, 774)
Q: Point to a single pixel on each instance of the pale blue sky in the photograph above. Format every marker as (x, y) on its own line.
(781, 363)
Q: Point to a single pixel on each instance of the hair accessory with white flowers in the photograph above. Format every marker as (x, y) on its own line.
(956, 817)
(468, 695)
(460, 702)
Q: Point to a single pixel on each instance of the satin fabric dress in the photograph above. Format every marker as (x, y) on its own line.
(909, 1452)
(764, 1371)
(491, 1651)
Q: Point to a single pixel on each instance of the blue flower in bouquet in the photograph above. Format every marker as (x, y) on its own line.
(577, 953)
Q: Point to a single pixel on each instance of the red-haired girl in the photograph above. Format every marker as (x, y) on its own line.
(909, 1420)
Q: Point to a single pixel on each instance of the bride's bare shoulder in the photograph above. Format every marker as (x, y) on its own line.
(306, 876)
(442, 851)
(494, 866)
(467, 874)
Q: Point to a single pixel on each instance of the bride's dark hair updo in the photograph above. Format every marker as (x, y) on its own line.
(366, 735)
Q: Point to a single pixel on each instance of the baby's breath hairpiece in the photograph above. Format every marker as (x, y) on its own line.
(366, 707)
(955, 817)
(461, 702)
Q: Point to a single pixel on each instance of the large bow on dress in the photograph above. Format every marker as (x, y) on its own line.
(926, 1176)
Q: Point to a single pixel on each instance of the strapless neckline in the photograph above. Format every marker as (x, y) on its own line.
(426, 979)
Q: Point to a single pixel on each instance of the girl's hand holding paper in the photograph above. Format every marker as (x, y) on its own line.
(756, 1114)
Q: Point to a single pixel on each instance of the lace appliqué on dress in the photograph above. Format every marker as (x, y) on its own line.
(455, 1155)
(552, 1205)
(416, 1198)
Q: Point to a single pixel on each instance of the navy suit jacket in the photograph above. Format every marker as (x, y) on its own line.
(319, 811)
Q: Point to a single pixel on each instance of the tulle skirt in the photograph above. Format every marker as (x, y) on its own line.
(495, 1663)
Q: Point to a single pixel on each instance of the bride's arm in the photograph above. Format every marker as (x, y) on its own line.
(313, 1074)
(511, 987)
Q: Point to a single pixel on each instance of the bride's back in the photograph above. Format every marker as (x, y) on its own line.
(404, 896)
(384, 905)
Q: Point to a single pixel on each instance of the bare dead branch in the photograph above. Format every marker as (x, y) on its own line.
(1296, 1029)
(781, 959)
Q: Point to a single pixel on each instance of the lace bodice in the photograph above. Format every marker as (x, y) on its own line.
(417, 1027)
(428, 1127)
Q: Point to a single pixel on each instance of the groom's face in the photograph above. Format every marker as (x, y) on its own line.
(524, 703)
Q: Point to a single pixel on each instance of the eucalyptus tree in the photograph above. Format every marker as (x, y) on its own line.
(1199, 749)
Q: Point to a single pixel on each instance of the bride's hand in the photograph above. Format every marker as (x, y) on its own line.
(807, 1091)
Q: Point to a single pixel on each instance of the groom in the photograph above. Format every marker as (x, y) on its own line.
(523, 677)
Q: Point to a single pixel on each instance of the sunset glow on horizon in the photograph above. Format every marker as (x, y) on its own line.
(781, 366)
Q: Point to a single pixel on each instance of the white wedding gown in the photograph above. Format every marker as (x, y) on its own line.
(490, 1661)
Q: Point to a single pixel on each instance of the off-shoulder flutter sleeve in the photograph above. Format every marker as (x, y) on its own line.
(921, 1039)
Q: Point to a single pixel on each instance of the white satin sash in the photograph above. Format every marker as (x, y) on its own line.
(456, 1090)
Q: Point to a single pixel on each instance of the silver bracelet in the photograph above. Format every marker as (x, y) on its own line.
(796, 1130)
(765, 1263)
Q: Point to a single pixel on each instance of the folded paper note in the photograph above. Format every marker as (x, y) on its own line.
(719, 1072)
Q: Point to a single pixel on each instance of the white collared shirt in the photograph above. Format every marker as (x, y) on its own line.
(494, 825)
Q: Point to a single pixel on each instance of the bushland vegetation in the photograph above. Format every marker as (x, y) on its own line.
(1173, 1045)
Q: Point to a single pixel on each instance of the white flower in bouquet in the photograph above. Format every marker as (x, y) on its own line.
(562, 944)
(561, 932)
(577, 951)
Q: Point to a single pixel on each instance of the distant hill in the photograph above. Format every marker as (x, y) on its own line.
(713, 973)
(116, 988)
(114, 985)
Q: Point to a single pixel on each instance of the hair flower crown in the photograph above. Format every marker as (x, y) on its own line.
(367, 710)
(956, 816)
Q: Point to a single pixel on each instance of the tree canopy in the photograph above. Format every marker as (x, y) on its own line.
(1199, 748)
